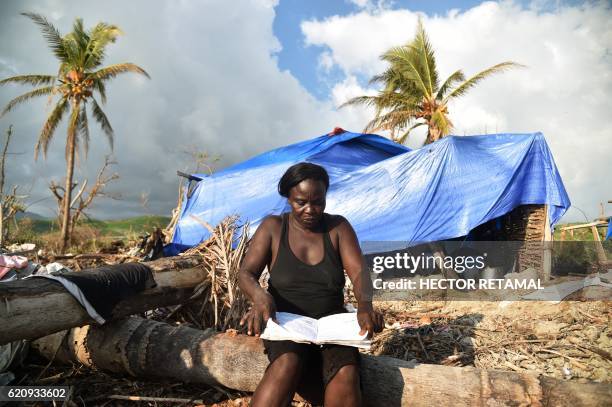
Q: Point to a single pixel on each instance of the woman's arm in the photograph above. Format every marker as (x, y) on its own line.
(257, 257)
(354, 264)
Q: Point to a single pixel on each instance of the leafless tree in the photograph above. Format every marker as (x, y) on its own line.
(83, 199)
(11, 203)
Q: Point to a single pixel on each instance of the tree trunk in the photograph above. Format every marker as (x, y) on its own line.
(9, 133)
(141, 347)
(71, 149)
(1, 220)
(36, 307)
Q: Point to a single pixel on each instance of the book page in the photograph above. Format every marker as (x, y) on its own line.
(340, 328)
(292, 327)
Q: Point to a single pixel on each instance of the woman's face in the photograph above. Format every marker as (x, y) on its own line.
(307, 200)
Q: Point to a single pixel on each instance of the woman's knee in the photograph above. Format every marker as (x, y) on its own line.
(288, 364)
(347, 375)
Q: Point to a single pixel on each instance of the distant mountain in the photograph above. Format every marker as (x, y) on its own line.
(30, 215)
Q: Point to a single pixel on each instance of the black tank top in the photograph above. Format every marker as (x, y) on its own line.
(300, 288)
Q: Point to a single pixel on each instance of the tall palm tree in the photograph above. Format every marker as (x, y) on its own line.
(412, 96)
(80, 54)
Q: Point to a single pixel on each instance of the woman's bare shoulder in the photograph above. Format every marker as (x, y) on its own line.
(336, 222)
(271, 223)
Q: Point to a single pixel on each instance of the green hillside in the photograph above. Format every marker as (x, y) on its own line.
(120, 228)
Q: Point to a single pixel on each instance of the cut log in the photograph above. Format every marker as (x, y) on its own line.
(145, 348)
(37, 307)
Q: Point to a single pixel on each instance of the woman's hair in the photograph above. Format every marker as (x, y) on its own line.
(298, 173)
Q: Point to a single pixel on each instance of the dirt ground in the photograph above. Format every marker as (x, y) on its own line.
(569, 340)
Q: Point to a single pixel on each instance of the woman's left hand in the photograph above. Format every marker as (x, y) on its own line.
(369, 320)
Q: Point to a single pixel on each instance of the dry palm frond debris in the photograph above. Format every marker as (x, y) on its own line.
(570, 340)
(217, 302)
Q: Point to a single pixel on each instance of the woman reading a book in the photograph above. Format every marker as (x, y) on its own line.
(306, 252)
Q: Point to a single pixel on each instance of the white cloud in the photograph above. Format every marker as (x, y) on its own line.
(563, 92)
(372, 6)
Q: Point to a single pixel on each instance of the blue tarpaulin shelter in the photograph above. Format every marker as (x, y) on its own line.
(388, 192)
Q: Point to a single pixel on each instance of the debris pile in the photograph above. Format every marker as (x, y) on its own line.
(570, 340)
(217, 302)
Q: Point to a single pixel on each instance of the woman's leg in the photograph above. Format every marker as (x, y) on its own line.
(343, 389)
(279, 382)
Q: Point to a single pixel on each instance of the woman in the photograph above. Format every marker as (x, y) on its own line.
(306, 252)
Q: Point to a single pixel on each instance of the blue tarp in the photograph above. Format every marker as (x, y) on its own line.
(249, 189)
(609, 234)
(387, 192)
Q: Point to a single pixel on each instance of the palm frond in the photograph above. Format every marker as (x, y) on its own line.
(84, 129)
(72, 61)
(426, 59)
(33, 80)
(392, 120)
(101, 88)
(404, 137)
(466, 85)
(112, 71)
(455, 77)
(403, 59)
(51, 34)
(360, 100)
(80, 40)
(398, 100)
(99, 37)
(441, 121)
(102, 120)
(390, 75)
(54, 118)
(26, 96)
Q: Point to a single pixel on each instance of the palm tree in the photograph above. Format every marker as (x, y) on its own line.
(412, 96)
(80, 54)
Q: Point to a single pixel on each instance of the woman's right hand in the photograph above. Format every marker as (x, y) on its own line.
(257, 316)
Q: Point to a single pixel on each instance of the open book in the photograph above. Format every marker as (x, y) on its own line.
(341, 329)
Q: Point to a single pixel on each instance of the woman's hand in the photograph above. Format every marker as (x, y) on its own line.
(257, 316)
(369, 320)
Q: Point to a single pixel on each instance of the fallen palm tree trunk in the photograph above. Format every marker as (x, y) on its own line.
(141, 347)
(35, 307)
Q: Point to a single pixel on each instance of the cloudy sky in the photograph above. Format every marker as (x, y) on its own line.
(235, 79)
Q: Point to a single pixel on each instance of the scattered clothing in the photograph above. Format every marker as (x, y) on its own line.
(11, 262)
(99, 290)
(12, 355)
(18, 248)
(18, 274)
(78, 295)
(53, 268)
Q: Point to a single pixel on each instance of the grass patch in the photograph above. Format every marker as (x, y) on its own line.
(582, 234)
(46, 233)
